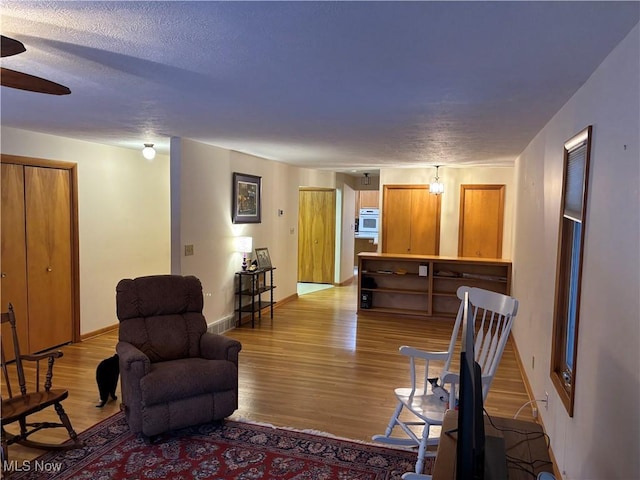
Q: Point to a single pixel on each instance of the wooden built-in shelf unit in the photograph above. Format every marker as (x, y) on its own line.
(397, 286)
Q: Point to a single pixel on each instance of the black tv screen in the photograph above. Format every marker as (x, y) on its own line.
(470, 444)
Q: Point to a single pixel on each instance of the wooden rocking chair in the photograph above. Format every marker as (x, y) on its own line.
(17, 408)
(421, 407)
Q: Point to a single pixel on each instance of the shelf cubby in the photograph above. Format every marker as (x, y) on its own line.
(395, 284)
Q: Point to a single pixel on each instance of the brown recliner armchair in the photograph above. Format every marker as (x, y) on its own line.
(173, 372)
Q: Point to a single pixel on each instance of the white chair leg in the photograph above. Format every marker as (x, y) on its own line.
(389, 430)
(422, 450)
(394, 419)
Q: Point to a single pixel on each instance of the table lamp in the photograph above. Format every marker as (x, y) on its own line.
(244, 246)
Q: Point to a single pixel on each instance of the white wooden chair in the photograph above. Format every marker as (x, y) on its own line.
(494, 314)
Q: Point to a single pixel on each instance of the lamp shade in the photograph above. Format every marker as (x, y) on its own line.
(436, 188)
(244, 244)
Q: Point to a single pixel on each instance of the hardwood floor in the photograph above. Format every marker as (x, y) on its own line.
(316, 366)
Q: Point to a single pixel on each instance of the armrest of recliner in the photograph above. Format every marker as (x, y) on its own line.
(219, 347)
(133, 360)
(134, 365)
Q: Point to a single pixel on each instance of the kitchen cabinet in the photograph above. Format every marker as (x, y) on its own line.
(364, 245)
(367, 199)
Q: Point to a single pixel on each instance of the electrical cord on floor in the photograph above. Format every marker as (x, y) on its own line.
(525, 466)
(520, 432)
(529, 403)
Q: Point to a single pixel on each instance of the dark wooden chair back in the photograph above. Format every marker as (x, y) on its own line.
(10, 317)
(21, 400)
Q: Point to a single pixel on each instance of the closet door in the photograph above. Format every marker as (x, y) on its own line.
(410, 220)
(14, 256)
(481, 220)
(425, 222)
(49, 253)
(396, 220)
(316, 235)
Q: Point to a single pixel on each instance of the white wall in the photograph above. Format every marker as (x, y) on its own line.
(602, 440)
(126, 207)
(453, 177)
(201, 199)
(347, 237)
(123, 215)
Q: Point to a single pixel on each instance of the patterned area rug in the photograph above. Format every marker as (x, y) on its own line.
(234, 450)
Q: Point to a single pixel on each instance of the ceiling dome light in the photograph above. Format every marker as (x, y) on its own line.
(148, 151)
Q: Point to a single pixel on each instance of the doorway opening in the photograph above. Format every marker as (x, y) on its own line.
(305, 287)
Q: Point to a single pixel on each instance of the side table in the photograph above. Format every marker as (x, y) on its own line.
(249, 288)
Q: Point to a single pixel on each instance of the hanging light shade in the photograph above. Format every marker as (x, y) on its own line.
(148, 151)
(436, 187)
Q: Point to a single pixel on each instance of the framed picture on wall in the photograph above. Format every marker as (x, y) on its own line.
(263, 258)
(247, 198)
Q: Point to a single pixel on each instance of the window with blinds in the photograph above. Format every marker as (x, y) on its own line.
(569, 270)
(574, 182)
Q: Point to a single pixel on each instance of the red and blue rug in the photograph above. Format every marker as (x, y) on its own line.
(232, 450)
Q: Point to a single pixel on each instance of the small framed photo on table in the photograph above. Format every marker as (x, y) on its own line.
(263, 258)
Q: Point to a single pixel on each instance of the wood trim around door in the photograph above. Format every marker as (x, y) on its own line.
(328, 239)
(500, 189)
(402, 224)
(75, 243)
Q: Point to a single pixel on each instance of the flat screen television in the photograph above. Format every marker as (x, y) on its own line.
(471, 438)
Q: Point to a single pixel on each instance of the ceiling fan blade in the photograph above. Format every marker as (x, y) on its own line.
(31, 83)
(9, 46)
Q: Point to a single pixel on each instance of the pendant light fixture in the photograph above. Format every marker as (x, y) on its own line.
(436, 187)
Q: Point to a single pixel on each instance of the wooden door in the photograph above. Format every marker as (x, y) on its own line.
(316, 235)
(396, 220)
(49, 254)
(425, 222)
(14, 257)
(481, 221)
(410, 220)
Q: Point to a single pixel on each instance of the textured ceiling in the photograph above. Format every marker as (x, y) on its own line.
(336, 85)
